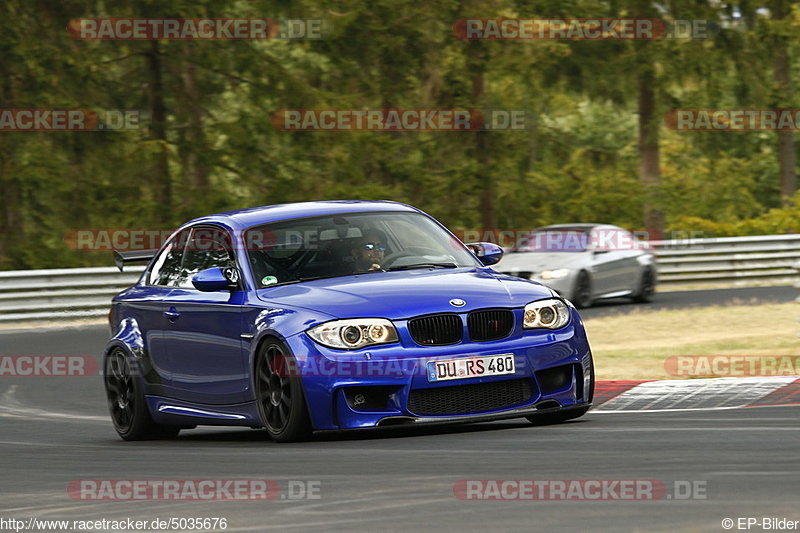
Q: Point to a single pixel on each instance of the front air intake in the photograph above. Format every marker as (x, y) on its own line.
(436, 330)
(472, 398)
(490, 324)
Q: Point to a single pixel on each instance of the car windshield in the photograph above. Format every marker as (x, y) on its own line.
(342, 245)
(556, 240)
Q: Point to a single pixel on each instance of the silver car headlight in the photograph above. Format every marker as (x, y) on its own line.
(558, 273)
(549, 314)
(354, 333)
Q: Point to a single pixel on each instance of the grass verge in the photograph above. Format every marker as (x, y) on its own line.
(636, 345)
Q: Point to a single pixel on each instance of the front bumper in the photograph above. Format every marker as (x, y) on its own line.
(332, 378)
(564, 286)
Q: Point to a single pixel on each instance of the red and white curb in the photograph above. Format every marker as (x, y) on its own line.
(714, 393)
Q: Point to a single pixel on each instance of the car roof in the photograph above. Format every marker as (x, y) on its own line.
(254, 216)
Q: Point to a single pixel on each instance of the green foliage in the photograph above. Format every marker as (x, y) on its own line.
(773, 222)
(577, 161)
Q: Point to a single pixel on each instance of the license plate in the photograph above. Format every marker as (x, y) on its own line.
(471, 367)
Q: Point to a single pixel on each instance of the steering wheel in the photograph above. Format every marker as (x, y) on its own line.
(275, 264)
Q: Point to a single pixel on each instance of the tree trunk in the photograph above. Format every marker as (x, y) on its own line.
(13, 231)
(199, 173)
(787, 158)
(649, 162)
(533, 137)
(158, 132)
(476, 62)
(10, 211)
(192, 145)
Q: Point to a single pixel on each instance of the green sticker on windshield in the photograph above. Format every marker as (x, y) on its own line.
(269, 280)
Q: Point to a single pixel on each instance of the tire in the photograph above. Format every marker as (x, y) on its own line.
(556, 418)
(647, 287)
(582, 294)
(280, 398)
(126, 403)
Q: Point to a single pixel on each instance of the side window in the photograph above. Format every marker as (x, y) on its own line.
(207, 248)
(166, 269)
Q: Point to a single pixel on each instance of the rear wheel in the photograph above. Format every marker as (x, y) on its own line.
(582, 294)
(279, 394)
(647, 287)
(126, 403)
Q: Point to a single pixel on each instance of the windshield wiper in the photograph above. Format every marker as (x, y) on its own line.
(422, 265)
(314, 278)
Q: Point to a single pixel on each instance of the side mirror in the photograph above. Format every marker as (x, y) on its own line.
(487, 252)
(216, 279)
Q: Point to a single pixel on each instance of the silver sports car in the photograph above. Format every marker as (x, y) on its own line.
(585, 262)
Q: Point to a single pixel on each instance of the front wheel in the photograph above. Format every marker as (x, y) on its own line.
(279, 394)
(647, 287)
(582, 294)
(126, 402)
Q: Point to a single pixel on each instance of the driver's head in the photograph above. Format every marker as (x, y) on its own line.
(369, 249)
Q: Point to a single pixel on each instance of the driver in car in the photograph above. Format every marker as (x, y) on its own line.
(368, 251)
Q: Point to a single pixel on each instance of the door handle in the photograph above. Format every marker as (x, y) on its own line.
(172, 315)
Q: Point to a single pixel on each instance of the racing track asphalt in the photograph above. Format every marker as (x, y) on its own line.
(695, 298)
(56, 430)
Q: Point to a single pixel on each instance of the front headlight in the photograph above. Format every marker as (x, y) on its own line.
(555, 274)
(354, 333)
(549, 314)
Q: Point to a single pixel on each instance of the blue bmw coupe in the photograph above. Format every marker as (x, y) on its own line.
(336, 315)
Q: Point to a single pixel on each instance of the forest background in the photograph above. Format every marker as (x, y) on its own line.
(596, 146)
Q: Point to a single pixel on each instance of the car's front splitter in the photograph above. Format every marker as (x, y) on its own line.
(541, 408)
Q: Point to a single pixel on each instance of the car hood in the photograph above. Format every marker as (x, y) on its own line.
(538, 261)
(400, 295)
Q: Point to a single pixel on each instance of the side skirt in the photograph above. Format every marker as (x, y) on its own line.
(175, 412)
